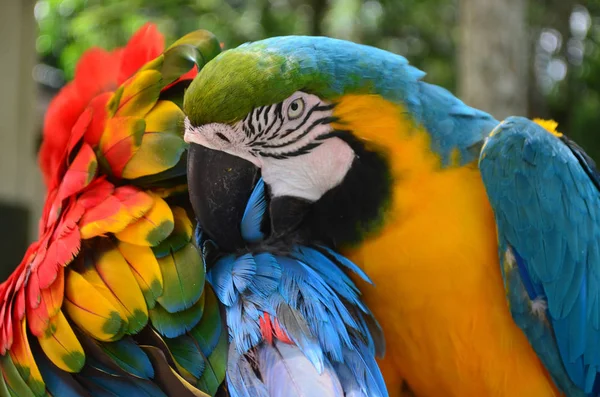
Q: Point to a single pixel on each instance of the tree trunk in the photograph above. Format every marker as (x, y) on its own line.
(21, 189)
(493, 56)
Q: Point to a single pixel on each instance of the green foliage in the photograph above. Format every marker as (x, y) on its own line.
(409, 27)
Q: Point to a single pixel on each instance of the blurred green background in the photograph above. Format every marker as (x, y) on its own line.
(538, 58)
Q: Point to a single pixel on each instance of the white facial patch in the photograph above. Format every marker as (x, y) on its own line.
(289, 141)
(311, 175)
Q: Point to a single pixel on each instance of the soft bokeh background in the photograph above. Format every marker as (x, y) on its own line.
(523, 57)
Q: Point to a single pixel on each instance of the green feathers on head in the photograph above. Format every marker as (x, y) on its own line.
(237, 81)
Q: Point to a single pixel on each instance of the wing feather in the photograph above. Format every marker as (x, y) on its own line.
(544, 192)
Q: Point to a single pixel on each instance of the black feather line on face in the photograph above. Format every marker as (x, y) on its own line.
(247, 131)
(299, 152)
(261, 130)
(278, 117)
(304, 120)
(324, 120)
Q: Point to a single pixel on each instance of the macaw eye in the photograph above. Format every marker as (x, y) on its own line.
(295, 109)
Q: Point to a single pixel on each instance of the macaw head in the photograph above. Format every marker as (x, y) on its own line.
(318, 118)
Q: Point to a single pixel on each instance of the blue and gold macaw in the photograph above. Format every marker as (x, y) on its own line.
(448, 211)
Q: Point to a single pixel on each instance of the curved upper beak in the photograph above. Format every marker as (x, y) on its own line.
(220, 185)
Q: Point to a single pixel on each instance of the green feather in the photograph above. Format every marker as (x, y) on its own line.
(183, 279)
(3, 388)
(214, 374)
(14, 383)
(187, 354)
(173, 325)
(129, 356)
(208, 330)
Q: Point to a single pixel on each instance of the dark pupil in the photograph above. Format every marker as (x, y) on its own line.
(294, 106)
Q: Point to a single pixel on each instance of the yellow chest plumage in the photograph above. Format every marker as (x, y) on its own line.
(438, 291)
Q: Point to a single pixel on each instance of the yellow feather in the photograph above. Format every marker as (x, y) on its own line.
(90, 310)
(550, 126)
(90, 274)
(183, 224)
(165, 116)
(139, 94)
(145, 269)
(116, 274)
(62, 347)
(162, 143)
(152, 228)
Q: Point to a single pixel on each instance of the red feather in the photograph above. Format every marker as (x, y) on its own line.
(7, 333)
(146, 44)
(53, 295)
(65, 245)
(33, 291)
(99, 115)
(80, 172)
(96, 192)
(5, 343)
(269, 327)
(19, 305)
(75, 122)
(96, 72)
(136, 201)
(62, 113)
(74, 137)
(38, 319)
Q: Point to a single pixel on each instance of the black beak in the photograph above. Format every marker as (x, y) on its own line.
(219, 186)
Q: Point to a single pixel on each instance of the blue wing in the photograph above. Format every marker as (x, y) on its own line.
(544, 192)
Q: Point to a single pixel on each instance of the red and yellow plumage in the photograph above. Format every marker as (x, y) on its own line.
(108, 238)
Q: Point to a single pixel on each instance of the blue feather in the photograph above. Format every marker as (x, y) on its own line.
(532, 290)
(231, 276)
(244, 328)
(363, 366)
(268, 275)
(243, 272)
(254, 214)
(342, 260)
(332, 275)
(349, 382)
